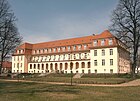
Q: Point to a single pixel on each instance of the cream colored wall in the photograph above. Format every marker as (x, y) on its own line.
(16, 61)
(107, 57)
(60, 59)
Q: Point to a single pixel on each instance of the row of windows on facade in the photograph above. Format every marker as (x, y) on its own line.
(110, 42)
(72, 47)
(64, 57)
(83, 71)
(18, 58)
(103, 52)
(18, 65)
(103, 62)
(59, 49)
(41, 66)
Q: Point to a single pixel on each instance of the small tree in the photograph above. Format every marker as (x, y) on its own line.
(126, 25)
(9, 36)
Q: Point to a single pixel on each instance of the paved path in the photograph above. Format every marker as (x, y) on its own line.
(131, 83)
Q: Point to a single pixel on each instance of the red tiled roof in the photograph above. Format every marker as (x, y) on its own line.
(66, 42)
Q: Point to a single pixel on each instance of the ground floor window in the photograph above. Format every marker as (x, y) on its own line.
(89, 71)
(83, 71)
(111, 71)
(95, 70)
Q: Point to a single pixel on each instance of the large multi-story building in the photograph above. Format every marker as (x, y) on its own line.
(102, 53)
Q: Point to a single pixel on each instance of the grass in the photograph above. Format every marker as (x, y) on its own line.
(87, 79)
(81, 80)
(19, 91)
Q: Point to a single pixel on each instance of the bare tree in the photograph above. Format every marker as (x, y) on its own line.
(9, 36)
(126, 25)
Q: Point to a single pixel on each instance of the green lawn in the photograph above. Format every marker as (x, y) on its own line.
(81, 80)
(19, 91)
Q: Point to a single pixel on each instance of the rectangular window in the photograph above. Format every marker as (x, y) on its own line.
(21, 65)
(79, 47)
(111, 51)
(17, 65)
(95, 62)
(50, 50)
(111, 71)
(102, 42)
(110, 41)
(95, 52)
(95, 42)
(64, 48)
(59, 49)
(30, 66)
(111, 62)
(103, 52)
(85, 46)
(103, 62)
(54, 50)
(74, 47)
(68, 48)
(95, 70)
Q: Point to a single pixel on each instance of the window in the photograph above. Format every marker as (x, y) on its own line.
(14, 65)
(68, 48)
(38, 51)
(95, 52)
(111, 51)
(74, 47)
(42, 66)
(95, 43)
(17, 65)
(85, 46)
(54, 50)
(102, 42)
(46, 50)
(59, 49)
(110, 41)
(21, 65)
(111, 62)
(64, 48)
(38, 66)
(95, 62)
(79, 47)
(50, 50)
(30, 66)
(95, 70)
(88, 64)
(103, 62)
(85, 55)
(103, 52)
(34, 66)
(111, 71)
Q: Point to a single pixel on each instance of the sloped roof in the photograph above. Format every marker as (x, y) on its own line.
(66, 42)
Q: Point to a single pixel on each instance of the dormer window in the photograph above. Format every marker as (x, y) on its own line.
(79, 47)
(59, 49)
(74, 47)
(85, 46)
(63, 48)
(68, 48)
(95, 42)
(54, 50)
(102, 42)
(50, 50)
(110, 41)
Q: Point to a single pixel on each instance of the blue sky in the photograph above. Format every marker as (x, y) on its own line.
(47, 20)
